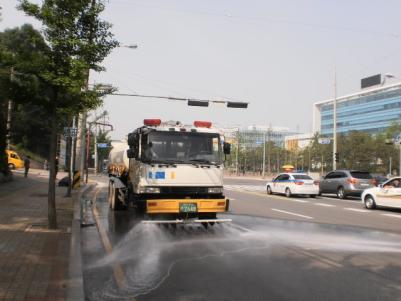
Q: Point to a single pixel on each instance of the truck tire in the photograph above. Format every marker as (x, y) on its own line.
(341, 193)
(369, 202)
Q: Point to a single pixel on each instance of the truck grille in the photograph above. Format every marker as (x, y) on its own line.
(184, 190)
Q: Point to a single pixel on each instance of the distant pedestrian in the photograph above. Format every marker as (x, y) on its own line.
(56, 167)
(27, 164)
(45, 165)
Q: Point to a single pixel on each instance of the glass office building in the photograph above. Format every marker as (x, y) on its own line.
(254, 136)
(371, 110)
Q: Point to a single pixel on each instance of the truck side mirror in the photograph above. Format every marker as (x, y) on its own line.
(130, 153)
(227, 148)
(133, 139)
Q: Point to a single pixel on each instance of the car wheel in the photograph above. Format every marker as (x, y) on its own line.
(369, 202)
(341, 193)
(11, 166)
(269, 190)
(287, 192)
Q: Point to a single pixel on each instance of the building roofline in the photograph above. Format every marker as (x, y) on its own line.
(358, 94)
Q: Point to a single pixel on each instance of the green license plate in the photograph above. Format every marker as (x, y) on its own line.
(188, 207)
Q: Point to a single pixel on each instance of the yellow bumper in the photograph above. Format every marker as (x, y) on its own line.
(173, 205)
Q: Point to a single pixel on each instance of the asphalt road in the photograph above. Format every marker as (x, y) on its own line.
(248, 197)
(301, 250)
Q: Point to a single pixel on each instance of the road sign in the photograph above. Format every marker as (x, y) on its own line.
(324, 140)
(70, 132)
(397, 139)
(102, 145)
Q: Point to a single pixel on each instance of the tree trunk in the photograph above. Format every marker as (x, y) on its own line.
(51, 198)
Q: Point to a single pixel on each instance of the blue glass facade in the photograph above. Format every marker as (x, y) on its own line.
(370, 113)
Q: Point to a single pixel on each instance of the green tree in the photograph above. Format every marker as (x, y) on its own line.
(78, 41)
(22, 52)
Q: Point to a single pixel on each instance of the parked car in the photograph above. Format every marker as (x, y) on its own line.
(293, 183)
(346, 183)
(387, 194)
(14, 160)
(379, 179)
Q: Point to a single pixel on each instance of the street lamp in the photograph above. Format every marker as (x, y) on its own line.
(335, 122)
(80, 144)
(132, 46)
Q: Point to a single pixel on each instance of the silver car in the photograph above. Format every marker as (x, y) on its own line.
(346, 183)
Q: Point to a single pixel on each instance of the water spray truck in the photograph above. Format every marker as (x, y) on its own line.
(171, 172)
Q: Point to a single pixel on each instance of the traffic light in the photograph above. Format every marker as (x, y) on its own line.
(336, 157)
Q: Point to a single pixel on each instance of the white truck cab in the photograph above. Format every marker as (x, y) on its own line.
(172, 169)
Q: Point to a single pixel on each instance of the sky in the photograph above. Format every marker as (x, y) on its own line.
(279, 56)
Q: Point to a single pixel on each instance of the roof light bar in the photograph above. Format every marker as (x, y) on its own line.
(203, 124)
(152, 122)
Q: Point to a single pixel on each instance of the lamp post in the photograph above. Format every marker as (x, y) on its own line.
(9, 113)
(82, 120)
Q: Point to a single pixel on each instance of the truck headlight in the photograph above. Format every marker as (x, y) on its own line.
(215, 190)
(149, 190)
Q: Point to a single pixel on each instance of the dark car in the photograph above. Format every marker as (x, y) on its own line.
(346, 183)
(379, 179)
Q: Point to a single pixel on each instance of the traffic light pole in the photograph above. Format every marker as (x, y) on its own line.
(399, 168)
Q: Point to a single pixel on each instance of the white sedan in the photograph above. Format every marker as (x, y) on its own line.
(293, 183)
(387, 194)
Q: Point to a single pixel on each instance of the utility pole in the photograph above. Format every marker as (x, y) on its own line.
(236, 155)
(73, 155)
(399, 168)
(9, 113)
(269, 170)
(96, 155)
(335, 121)
(264, 155)
(322, 166)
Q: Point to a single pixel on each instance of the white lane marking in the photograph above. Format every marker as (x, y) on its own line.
(258, 188)
(392, 215)
(357, 210)
(292, 213)
(296, 200)
(231, 199)
(324, 205)
(353, 201)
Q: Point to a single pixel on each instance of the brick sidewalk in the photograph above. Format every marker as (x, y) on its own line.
(33, 259)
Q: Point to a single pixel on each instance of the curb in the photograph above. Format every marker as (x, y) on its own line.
(75, 275)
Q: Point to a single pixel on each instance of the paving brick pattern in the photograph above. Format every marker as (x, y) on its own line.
(33, 259)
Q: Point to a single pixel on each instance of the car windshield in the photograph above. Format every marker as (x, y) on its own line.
(361, 175)
(182, 147)
(302, 177)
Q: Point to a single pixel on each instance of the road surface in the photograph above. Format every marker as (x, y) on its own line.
(275, 249)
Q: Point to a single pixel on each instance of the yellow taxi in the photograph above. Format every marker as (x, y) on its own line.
(14, 160)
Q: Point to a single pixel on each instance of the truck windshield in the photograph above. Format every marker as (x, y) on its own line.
(182, 147)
